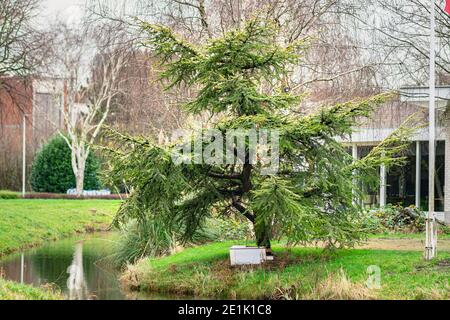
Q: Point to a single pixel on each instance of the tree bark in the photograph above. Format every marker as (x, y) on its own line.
(262, 234)
(79, 158)
(80, 182)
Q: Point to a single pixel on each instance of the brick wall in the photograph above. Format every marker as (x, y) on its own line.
(40, 100)
(15, 100)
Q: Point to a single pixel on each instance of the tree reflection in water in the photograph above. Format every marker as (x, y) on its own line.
(80, 269)
(76, 283)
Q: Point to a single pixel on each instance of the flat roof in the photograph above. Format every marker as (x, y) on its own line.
(425, 87)
(421, 94)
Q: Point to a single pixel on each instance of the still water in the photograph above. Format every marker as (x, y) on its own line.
(80, 267)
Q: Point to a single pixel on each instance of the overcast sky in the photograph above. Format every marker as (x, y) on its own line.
(68, 10)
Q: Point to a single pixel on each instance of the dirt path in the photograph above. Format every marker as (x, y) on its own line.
(403, 244)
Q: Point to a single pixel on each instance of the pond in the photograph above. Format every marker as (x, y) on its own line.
(81, 267)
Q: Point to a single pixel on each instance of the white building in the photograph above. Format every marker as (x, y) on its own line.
(408, 185)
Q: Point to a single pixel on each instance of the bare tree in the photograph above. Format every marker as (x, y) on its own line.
(143, 107)
(333, 68)
(22, 46)
(91, 58)
(18, 41)
(396, 35)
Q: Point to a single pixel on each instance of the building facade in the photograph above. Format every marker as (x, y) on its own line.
(36, 104)
(408, 185)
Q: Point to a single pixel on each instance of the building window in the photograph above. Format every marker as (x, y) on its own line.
(439, 178)
(371, 192)
(401, 180)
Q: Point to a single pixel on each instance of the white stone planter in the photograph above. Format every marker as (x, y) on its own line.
(243, 255)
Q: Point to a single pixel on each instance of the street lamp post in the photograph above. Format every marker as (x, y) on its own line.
(430, 241)
(24, 159)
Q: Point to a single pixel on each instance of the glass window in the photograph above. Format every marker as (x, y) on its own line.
(371, 198)
(401, 180)
(439, 178)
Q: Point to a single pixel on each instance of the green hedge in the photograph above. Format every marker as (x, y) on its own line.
(6, 194)
(52, 169)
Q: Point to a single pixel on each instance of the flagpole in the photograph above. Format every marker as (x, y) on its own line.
(430, 244)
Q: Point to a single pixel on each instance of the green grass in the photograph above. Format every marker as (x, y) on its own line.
(205, 271)
(406, 236)
(25, 223)
(10, 290)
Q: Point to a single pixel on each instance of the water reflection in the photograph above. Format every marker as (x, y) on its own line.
(22, 267)
(80, 267)
(76, 284)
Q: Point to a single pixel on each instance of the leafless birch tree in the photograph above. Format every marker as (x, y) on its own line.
(91, 59)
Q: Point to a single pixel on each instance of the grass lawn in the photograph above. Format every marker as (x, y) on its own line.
(25, 223)
(10, 290)
(406, 236)
(299, 273)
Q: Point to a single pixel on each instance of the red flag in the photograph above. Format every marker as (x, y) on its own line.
(447, 6)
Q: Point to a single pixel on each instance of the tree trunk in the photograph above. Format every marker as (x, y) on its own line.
(262, 234)
(80, 182)
(79, 176)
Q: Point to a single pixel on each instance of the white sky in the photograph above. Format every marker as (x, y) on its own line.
(68, 10)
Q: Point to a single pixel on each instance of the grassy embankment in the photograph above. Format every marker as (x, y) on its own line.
(26, 223)
(299, 273)
(10, 290)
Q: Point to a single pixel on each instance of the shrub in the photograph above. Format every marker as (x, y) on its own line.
(40, 195)
(6, 194)
(230, 228)
(372, 223)
(151, 239)
(52, 169)
(140, 240)
(396, 218)
(444, 228)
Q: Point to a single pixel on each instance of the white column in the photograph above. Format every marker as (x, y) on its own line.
(418, 160)
(382, 186)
